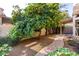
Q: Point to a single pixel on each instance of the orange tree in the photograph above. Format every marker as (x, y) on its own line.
(35, 17)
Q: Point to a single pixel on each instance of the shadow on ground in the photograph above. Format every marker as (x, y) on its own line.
(31, 46)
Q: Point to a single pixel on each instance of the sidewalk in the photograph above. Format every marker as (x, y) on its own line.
(58, 43)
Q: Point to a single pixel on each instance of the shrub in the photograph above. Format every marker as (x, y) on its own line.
(7, 40)
(4, 49)
(62, 52)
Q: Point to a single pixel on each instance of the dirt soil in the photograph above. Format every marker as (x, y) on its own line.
(31, 46)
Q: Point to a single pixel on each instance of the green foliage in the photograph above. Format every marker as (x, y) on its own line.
(34, 17)
(4, 49)
(21, 30)
(62, 52)
(9, 41)
(16, 14)
(5, 40)
(45, 15)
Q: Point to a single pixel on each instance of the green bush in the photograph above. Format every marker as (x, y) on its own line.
(4, 49)
(62, 52)
(5, 40)
(9, 41)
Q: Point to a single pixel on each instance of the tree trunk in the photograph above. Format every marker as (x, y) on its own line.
(39, 34)
(46, 31)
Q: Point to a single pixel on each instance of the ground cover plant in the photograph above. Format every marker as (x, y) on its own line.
(62, 52)
(9, 41)
(4, 49)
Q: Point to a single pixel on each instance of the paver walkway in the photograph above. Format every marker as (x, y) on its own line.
(58, 43)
